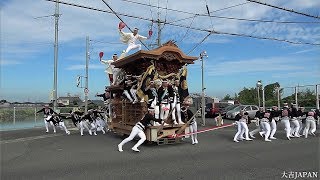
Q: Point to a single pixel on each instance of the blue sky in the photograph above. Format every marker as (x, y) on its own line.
(233, 63)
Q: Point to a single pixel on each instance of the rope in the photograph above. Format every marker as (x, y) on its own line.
(202, 131)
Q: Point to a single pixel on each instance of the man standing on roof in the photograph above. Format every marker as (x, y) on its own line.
(110, 67)
(131, 39)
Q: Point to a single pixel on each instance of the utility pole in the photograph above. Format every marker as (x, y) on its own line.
(159, 31)
(263, 99)
(202, 55)
(296, 95)
(259, 84)
(317, 96)
(55, 81)
(86, 90)
(278, 96)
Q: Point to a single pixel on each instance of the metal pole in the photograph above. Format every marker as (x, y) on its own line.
(296, 95)
(202, 98)
(86, 87)
(35, 115)
(55, 81)
(263, 99)
(317, 96)
(202, 54)
(159, 31)
(278, 94)
(14, 115)
(258, 90)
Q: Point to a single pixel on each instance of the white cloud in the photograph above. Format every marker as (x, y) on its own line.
(9, 62)
(82, 67)
(306, 74)
(306, 51)
(76, 23)
(253, 65)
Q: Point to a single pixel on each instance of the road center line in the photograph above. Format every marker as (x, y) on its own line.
(29, 138)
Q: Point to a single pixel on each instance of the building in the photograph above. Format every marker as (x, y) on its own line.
(69, 101)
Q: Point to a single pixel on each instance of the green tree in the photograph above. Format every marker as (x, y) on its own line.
(227, 97)
(247, 96)
(306, 98)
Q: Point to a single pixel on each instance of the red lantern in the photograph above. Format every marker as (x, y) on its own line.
(150, 32)
(122, 25)
(101, 55)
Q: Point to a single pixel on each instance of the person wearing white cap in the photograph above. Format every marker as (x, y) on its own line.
(153, 102)
(310, 123)
(127, 87)
(139, 129)
(131, 39)
(163, 95)
(175, 101)
(186, 115)
(109, 67)
(47, 114)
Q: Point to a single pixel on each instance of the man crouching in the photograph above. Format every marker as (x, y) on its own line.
(138, 129)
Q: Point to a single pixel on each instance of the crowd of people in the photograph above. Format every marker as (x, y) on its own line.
(92, 121)
(165, 98)
(296, 123)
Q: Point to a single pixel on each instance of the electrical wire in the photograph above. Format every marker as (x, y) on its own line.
(229, 7)
(184, 26)
(187, 30)
(223, 17)
(104, 42)
(284, 9)
(199, 43)
(122, 21)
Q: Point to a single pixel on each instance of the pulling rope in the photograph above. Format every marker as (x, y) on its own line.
(202, 131)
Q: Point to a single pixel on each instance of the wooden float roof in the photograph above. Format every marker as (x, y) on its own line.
(167, 52)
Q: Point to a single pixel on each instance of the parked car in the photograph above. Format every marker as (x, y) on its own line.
(213, 109)
(250, 109)
(228, 108)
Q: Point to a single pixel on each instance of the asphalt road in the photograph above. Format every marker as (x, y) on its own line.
(32, 154)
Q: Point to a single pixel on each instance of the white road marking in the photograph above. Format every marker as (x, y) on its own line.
(29, 138)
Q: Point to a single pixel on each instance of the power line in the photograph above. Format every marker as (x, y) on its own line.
(104, 42)
(267, 38)
(122, 21)
(207, 7)
(184, 26)
(169, 9)
(221, 17)
(187, 30)
(263, 21)
(199, 43)
(229, 7)
(284, 9)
